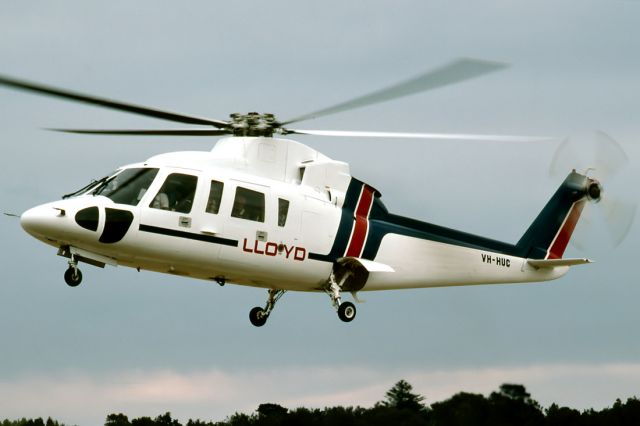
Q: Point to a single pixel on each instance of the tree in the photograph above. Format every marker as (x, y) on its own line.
(199, 422)
(270, 410)
(462, 408)
(239, 419)
(562, 416)
(512, 404)
(517, 393)
(117, 420)
(166, 420)
(401, 397)
(143, 421)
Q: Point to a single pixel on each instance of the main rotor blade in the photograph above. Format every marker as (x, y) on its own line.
(106, 103)
(454, 72)
(435, 136)
(147, 132)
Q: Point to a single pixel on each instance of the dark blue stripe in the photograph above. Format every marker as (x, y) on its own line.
(399, 225)
(346, 224)
(533, 244)
(189, 235)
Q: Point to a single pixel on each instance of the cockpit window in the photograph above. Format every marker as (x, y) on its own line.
(215, 196)
(176, 193)
(127, 187)
(248, 204)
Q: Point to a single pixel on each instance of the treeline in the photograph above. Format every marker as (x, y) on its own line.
(510, 405)
(31, 422)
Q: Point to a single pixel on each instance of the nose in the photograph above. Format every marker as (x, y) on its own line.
(43, 221)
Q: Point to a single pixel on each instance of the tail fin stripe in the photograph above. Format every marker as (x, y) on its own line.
(560, 241)
(360, 229)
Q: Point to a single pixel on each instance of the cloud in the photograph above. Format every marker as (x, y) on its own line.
(213, 394)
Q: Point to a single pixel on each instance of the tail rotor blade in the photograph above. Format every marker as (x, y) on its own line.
(564, 159)
(619, 216)
(610, 158)
(583, 234)
(605, 223)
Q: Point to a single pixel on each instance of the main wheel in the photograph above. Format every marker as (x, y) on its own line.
(347, 311)
(258, 317)
(73, 277)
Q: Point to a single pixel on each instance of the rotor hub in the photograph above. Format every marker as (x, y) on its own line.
(594, 190)
(253, 124)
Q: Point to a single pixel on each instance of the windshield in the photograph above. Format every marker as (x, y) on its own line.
(128, 186)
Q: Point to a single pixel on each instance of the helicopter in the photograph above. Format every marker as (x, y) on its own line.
(266, 211)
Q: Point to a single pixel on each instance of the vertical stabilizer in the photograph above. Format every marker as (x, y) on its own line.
(549, 234)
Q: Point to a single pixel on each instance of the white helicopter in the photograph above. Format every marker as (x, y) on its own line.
(264, 211)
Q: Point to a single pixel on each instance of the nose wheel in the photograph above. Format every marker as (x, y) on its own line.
(73, 276)
(258, 316)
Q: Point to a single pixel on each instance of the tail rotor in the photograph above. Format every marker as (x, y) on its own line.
(607, 221)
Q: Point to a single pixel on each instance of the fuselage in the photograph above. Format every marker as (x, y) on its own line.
(267, 213)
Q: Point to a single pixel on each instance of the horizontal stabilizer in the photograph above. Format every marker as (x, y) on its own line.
(553, 263)
(369, 265)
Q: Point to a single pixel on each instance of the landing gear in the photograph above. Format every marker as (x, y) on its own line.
(346, 310)
(73, 276)
(258, 316)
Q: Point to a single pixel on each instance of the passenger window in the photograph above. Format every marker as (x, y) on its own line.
(248, 204)
(283, 210)
(215, 195)
(176, 193)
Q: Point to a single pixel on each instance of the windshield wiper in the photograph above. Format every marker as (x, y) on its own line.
(99, 183)
(102, 184)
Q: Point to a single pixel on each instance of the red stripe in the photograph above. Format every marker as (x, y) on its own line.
(361, 224)
(559, 244)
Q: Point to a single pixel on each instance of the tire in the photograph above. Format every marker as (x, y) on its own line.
(257, 316)
(73, 277)
(347, 311)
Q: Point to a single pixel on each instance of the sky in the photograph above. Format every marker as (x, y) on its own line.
(146, 343)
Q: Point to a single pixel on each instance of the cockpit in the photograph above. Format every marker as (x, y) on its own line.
(125, 186)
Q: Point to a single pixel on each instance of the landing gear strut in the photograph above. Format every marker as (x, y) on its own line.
(258, 316)
(73, 276)
(346, 310)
